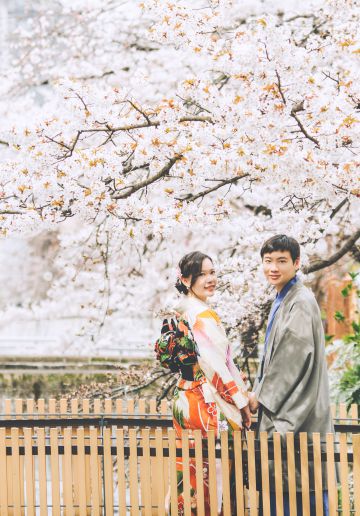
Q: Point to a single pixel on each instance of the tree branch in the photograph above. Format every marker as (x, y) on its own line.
(110, 131)
(11, 212)
(322, 264)
(135, 388)
(338, 207)
(134, 188)
(194, 197)
(294, 111)
(303, 130)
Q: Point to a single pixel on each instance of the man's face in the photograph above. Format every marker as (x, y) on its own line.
(279, 268)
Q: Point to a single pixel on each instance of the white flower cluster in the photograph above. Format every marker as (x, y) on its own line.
(140, 132)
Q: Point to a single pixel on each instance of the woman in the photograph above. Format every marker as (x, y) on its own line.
(210, 392)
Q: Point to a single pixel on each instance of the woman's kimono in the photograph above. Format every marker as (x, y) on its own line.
(210, 391)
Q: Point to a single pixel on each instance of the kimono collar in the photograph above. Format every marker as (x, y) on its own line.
(280, 295)
(278, 300)
(275, 307)
(191, 301)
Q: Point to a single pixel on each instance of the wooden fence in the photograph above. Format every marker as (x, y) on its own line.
(119, 457)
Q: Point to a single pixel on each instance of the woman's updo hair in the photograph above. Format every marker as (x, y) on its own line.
(190, 265)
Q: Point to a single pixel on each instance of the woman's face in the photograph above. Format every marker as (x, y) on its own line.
(205, 283)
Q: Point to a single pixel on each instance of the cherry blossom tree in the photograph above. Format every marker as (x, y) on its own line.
(139, 132)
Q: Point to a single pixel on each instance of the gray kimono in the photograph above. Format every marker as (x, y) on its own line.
(293, 390)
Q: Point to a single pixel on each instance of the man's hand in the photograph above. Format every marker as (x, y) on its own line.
(246, 417)
(253, 403)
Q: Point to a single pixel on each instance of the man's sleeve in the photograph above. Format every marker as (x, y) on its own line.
(291, 361)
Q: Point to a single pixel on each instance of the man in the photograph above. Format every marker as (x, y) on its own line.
(291, 390)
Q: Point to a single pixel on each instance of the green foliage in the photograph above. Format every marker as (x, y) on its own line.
(346, 291)
(349, 384)
(339, 316)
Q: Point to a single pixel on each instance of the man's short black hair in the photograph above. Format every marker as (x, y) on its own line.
(281, 243)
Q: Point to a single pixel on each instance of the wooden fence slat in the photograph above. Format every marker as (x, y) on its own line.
(16, 471)
(318, 475)
(85, 413)
(356, 470)
(9, 465)
(74, 406)
(81, 482)
(52, 407)
(164, 414)
(141, 407)
(40, 433)
(154, 463)
(121, 471)
(8, 408)
(29, 472)
(173, 503)
(3, 474)
(133, 476)
(344, 476)
(304, 465)
(108, 406)
(19, 406)
(94, 471)
(199, 468)
(146, 471)
(250, 437)
(278, 475)
(78, 472)
(97, 412)
(342, 412)
(265, 482)
(30, 407)
(30, 410)
(41, 407)
(118, 406)
(55, 476)
(239, 485)
(225, 470)
(212, 474)
(63, 407)
(152, 407)
(331, 480)
(131, 407)
(354, 413)
(67, 476)
(160, 470)
(108, 472)
(186, 471)
(97, 406)
(143, 462)
(290, 457)
(85, 407)
(164, 409)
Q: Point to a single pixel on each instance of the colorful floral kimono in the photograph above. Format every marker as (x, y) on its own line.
(210, 391)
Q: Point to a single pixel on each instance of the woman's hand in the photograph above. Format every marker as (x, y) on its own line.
(246, 417)
(253, 403)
